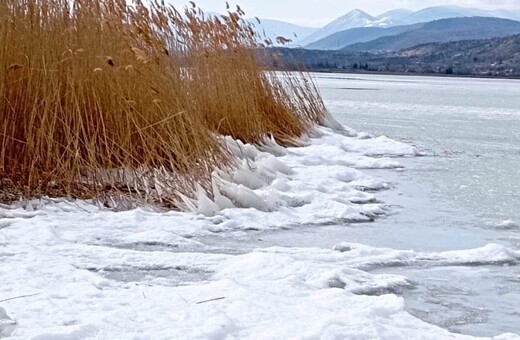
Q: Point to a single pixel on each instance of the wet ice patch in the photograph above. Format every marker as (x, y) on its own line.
(156, 275)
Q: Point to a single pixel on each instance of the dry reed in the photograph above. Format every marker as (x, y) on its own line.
(100, 97)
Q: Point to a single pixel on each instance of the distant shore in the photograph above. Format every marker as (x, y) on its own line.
(414, 74)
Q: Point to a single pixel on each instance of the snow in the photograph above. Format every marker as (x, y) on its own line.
(353, 19)
(71, 270)
(384, 146)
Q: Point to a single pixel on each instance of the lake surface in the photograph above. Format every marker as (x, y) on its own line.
(464, 193)
(456, 207)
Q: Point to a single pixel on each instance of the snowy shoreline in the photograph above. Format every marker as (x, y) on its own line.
(149, 275)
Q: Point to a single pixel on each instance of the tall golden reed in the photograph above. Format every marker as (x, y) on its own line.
(98, 97)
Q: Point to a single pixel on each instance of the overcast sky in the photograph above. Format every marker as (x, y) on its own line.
(320, 12)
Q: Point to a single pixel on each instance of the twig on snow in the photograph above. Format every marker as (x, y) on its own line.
(211, 300)
(19, 297)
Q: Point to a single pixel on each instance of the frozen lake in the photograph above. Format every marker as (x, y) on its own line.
(344, 237)
(463, 194)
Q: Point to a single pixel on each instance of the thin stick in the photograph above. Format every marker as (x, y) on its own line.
(161, 121)
(19, 297)
(205, 301)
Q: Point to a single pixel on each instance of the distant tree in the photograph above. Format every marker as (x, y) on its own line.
(449, 70)
(355, 66)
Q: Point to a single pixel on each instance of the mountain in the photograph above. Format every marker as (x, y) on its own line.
(505, 14)
(398, 17)
(489, 57)
(497, 57)
(444, 30)
(341, 39)
(445, 12)
(270, 29)
(275, 28)
(496, 50)
(395, 16)
(352, 19)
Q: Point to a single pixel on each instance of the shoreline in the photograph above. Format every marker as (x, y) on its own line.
(437, 75)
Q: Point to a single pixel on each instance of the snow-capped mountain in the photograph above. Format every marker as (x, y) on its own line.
(446, 12)
(268, 28)
(353, 19)
(442, 12)
(441, 31)
(400, 17)
(395, 16)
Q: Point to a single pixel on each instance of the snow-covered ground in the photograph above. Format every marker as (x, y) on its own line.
(69, 270)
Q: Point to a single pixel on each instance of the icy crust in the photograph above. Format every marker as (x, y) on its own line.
(316, 183)
(379, 146)
(70, 270)
(273, 293)
(272, 188)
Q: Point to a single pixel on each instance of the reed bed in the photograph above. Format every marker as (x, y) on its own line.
(99, 98)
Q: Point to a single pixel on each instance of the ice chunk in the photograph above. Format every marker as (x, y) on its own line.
(241, 150)
(248, 178)
(220, 200)
(205, 205)
(7, 325)
(242, 196)
(273, 164)
(270, 145)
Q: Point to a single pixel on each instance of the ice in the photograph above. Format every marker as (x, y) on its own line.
(268, 293)
(82, 272)
(380, 146)
(242, 196)
(505, 224)
(7, 325)
(365, 257)
(205, 205)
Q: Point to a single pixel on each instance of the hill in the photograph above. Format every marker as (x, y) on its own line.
(445, 30)
(395, 16)
(352, 36)
(489, 57)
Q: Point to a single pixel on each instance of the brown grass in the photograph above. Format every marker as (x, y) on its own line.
(98, 97)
